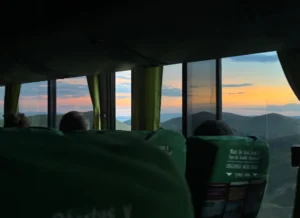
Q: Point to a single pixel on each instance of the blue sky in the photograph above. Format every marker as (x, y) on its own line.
(252, 85)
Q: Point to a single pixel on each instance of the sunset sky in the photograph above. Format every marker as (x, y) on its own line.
(252, 85)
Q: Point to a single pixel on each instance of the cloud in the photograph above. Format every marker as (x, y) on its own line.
(171, 91)
(234, 93)
(198, 86)
(236, 85)
(74, 89)
(34, 91)
(278, 108)
(123, 77)
(67, 88)
(122, 96)
(126, 75)
(166, 90)
(71, 90)
(123, 88)
(262, 58)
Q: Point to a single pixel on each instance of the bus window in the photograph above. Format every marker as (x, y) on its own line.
(123, 100)
(33, 102)
(257, 100)
(2, 90)
(73, 95)
(171, 98)
(201, 93)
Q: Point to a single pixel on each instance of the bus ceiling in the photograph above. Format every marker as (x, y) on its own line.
(45, 41)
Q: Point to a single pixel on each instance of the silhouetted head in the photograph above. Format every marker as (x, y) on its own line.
(213, 128)
(24, 122)
(73, 121)
(16, 120)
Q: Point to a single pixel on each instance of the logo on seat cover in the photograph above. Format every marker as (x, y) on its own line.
(165, 148)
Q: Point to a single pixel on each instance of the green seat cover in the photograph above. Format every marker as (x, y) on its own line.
(67, 177)
(133, 149)
(126, 135)
(227, 175)
(41, 130)
(173, 143)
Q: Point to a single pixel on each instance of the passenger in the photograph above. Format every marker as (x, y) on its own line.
(16, 120)
(73, 121)
(24, 122)
(213, 128)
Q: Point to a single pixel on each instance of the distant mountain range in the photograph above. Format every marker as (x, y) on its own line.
(265, 126)
(163, 117)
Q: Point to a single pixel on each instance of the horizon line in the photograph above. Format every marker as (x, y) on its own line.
(42, 113)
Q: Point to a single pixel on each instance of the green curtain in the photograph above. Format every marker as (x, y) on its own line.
(11, 98)
(146, 84)
(93, 84)
(289, 60)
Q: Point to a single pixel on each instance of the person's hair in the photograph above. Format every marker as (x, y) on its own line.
(213, 128)
(24, 122)
(73, 121)
(16, 120)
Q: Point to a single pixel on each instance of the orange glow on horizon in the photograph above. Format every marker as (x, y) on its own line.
(78, 101)
(251, 96)
(123, 102)
(258, 96)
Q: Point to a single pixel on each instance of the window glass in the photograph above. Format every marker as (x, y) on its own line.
(257, 100)
(2, 92)
(33, 102)
(73, 95)
(171, 99)
(123, 100)
(201, 91)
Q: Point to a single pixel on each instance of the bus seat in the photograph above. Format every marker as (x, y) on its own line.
(173, 143)
(46, 129)
(227, 175)
(126, 135)
(31, 130)
(70, 179)
(131, 148)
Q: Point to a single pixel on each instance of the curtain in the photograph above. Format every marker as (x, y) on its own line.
(11, 98)
(146, 88)
(93, 85)
(289, 60)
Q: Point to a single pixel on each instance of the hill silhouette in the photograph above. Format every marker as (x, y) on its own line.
(268, 126)
(163, 117)
(42, 120)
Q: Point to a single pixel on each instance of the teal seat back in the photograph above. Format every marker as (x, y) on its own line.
(126, 135)
(20, 134)
(67, 177)
(171, 142)
(227, 175)
(127, 146)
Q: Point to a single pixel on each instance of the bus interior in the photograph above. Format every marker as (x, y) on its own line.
(145, 75)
